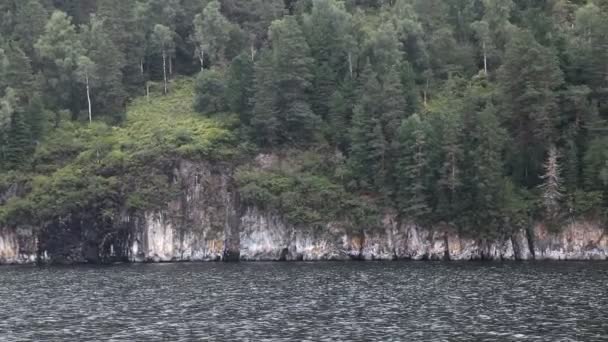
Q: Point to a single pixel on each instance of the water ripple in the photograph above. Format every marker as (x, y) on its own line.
(307, 302)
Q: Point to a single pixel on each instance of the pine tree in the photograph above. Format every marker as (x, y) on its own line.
(367, 153)
(327, 32)
(18, 138)
(528, 79)
(393, 105)
(264, 121)
(126, 25)
(240, 86)
(413, 170)
(369, 147)
(16, 72)
(341, 111)
(449, 138)
(487, 165)
(36, 117)
(292, 75)
(30, 19)
(410, 89)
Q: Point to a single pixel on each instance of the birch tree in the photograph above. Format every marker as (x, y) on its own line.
(211, 34)
(162, 38)
(482, 31)
(86, 74)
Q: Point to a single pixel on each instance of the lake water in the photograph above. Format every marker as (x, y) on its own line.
(354, 301)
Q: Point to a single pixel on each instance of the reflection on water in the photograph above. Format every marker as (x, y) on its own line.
(307, 301)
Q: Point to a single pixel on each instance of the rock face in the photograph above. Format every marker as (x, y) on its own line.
(195, 227)
(17, 246)
(576, 241)
(207, 223)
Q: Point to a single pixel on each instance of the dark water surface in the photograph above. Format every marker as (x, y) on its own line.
(307, 301)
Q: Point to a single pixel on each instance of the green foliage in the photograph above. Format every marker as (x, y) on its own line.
(210, 90)
(302, 193)
(413, 167)
(211, 34)
(528, 79)
(60, 48)
(99, 169)
(445, 110)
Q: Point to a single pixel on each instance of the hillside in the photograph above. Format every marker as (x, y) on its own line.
(481, 117)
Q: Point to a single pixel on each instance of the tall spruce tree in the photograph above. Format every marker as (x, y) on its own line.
(529, 79)
(240, 86)
(292, 75)
(265, 123)
(413, 167)
(30, 19)
(487, 168)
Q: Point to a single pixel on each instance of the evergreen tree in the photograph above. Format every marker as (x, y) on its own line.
(30, 19)
(15, 71)
(392, 107)
(18, 138)
(341, 111)
(486, 156)
(368, 151)
(36, 117)
(264, 121)
(369, 148)
(528, 79)
(448, 135)
(124, 23)
(413, 170)
(327, 31)
(292, 75)
(240, 86)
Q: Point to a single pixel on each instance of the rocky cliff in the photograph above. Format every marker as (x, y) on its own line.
(207, 223)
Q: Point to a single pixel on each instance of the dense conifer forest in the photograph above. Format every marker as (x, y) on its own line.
(483, 115)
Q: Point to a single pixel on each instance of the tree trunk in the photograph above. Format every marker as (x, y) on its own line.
(165, 70)
(350, 64)
(252, 52)
(201, 58)
(170, 66)
(86, 76)
(141, 66)
(148, 91)
(485, 59)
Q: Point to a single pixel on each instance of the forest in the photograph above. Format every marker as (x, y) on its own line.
(483, 115)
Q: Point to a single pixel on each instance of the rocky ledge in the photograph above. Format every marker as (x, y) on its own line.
(207, 224)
